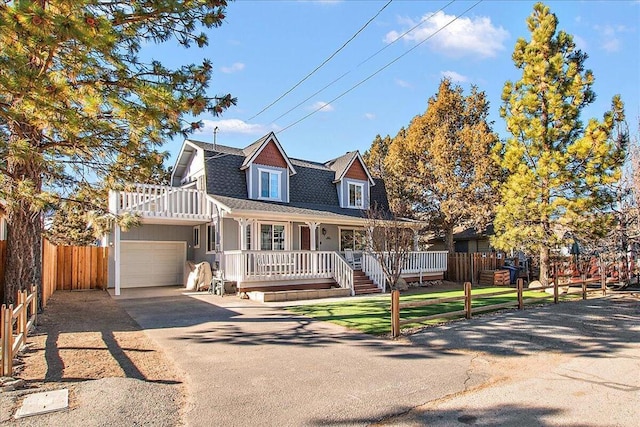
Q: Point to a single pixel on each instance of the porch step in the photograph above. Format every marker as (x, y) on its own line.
(293, 287)
(363, 285)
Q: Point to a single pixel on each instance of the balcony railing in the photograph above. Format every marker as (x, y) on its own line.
(159, 201)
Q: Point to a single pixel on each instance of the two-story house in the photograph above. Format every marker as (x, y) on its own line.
(266, 220)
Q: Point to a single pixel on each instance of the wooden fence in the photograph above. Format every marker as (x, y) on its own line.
(75, 267)
(468, 310)
(68, 268)
(464, 267)
(15, 324)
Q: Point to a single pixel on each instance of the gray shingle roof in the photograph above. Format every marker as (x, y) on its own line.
(312, 190)
(340, 164)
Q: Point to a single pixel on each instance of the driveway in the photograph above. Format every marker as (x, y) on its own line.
(245, 363)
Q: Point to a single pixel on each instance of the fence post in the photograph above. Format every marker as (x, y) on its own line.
(467, 300)
(555, 283)
(520, 284)
(395, 313)
(584, 287)
(22, 324)
(603, 280)
(34, 304)
(7, 340)
(3, 339)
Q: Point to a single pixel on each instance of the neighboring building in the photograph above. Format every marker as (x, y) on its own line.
(467, 240)
(3, 222)
(265, 219)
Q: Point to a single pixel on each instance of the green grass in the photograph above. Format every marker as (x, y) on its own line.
(373, 315)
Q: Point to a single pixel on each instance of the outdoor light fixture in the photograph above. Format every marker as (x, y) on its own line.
(324, 231)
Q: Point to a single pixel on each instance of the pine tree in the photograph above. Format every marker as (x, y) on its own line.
(559, 171)
(76, 99)
(444, 161)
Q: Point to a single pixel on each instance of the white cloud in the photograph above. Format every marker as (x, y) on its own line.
(403, 83)
(580, 42)
(464, 36)
(235, 67)
(235, 126)
(369, 116)
(454, 77)
(321, 106)
(609, 39)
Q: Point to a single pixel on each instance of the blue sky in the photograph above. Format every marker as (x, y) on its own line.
(266, 47)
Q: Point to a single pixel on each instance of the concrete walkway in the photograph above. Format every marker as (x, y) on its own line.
(248, 364)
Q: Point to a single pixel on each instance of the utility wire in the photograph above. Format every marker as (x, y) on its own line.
(322, 64)
(363, 62)
(380, 69)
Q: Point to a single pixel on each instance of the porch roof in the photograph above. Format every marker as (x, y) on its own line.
(237, 207)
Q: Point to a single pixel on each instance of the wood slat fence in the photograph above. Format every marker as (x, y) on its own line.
(466, 267)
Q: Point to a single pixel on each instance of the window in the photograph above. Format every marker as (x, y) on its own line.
(352, 239)
(355, 195)
(271, 237)
(211, 238)
(196, 236)
(269, 185)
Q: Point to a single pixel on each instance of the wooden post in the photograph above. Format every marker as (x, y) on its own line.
(34, 304)
(3, 339)
(22, 314)
(520, 285)
(467, 300)
(395, 313)
(584, 287)
(7, 340)
(555, 283)
(603, 282)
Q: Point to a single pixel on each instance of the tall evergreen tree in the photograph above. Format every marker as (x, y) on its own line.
(76, 98)
(559, 171)
(444, 161)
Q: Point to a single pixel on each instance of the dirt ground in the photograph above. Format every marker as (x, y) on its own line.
(84, 336)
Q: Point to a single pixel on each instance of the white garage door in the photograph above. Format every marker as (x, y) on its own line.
(148, 263)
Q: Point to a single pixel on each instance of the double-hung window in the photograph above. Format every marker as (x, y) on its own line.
(196, 236)
(355, 195)
(211, 238)
(269, 184)
(271, 237)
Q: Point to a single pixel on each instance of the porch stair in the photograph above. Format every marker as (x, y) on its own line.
(363, 285)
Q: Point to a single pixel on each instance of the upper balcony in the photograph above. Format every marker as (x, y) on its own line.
(160, 204)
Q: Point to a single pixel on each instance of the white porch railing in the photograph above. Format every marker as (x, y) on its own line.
(258, 266)
(162, 201)
(425, 262)
(372, 268)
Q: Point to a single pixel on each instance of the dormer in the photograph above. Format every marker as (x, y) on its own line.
(353, 181)
(268, 170)
(188, 171)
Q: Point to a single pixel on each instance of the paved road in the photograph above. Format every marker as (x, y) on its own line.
(249, 364)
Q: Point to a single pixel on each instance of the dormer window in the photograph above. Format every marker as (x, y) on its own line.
(355, 195)
(269, 184)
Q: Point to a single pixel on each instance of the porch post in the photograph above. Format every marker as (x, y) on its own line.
(116, 257)
(416, 239)
(244, 222)
(313, 226)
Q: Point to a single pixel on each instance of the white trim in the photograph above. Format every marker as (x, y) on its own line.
(215, 242)
(116, 257)
(175, 165)
(355, 184)
(340, 248)
(287, 231)
(362, 163)
(196, 242)
(268, 138)
(274, 172)
(3, 228)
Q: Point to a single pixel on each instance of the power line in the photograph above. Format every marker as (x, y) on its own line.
(323, 63)
(380, 69)
(363, 62)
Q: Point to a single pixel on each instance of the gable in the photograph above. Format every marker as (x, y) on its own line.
(271, 156)
(356, 171)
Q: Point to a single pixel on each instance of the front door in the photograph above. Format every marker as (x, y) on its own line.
(305, 239)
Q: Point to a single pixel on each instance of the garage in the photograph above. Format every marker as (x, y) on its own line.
(151, 263)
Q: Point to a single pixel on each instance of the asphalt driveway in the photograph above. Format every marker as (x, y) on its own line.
(246, 364)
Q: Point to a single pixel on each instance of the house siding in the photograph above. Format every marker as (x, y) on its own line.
(254, 181)
(270, 156)
(230, 234)
(344, 192)
(356, 171)
(152, 232)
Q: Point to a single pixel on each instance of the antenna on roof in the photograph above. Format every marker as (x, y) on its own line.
(215, 133)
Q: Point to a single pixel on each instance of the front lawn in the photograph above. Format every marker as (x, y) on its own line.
(373, 315)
